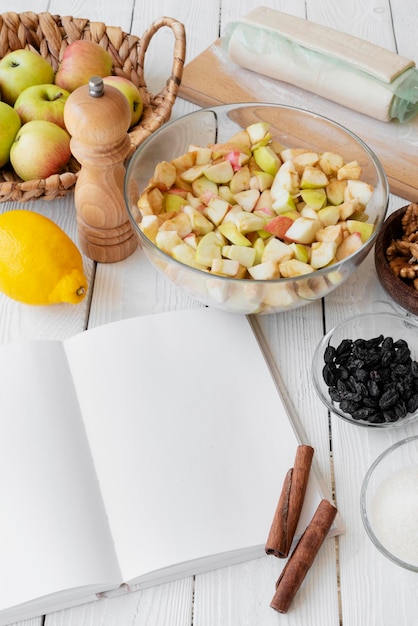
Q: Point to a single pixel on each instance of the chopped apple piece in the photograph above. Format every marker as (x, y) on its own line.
(293, 267)
(329, 215)
(315, 198)
(249, 222)
(220, 173)
(348, 246)
(308, 211)
(303, 160)
(193, 173)
(288, 154)
(276, 250)
(151, 202)
(322, 253)
(347, 208)
(216, 210)
(167, 239)
(335, 191)
(173, 202)
(202, 185)
(247, 199)
(164, 175)
(286, 178)
(267, 160)
(149, 226)
(191, 240)
(226, 267)
(208, 248)
(257, 131)
(348, 171)
(278, 226)
(365, 229)
(203, 155)
(180, 222)
(313, 178)
(200, 224)
(265, 271)
(359, 190)
(332, 232)
(303, 230)
(265, 202)
(245, 256)
(330, 163)
(186, 254)
(184, 162)
(231, 232)
(240, 180)
(301, 252)
(261, 180)
(283, 201)
(225, 193)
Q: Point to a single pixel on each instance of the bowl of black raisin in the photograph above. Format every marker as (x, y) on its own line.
(365, 370)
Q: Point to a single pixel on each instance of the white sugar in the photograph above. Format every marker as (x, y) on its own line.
(395, 514)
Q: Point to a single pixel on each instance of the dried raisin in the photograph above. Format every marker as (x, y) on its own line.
(373, 380)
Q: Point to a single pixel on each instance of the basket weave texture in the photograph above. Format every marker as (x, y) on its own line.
(50, 35)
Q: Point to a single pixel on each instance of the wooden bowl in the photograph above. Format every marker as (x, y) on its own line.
(402, 293)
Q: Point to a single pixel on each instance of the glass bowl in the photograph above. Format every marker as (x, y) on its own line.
(290, 127)
(378, 386)
(389, 503)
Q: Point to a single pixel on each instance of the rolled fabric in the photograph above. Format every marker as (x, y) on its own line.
(335, 65)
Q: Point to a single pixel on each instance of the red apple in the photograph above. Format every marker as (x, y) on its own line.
(82, 59)
(21, 69)
(39, 150)
(131, 92)
(42, 102)
(279, 225)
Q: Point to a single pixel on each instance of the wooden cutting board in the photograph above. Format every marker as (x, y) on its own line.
(211, 79)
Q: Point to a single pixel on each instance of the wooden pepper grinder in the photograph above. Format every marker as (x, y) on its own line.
(97, 116)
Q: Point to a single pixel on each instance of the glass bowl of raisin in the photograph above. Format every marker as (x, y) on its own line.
(365, 370)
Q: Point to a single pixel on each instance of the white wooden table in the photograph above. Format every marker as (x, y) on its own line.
(360, 588)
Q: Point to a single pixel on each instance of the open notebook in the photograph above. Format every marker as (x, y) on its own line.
(136, 452)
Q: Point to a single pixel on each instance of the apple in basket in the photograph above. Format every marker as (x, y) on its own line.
(21, 69)
(42, 102)
(131, 92)
(39, 150)
(9, 127)
(82, 59)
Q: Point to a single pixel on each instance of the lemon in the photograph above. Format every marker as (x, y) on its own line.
(39, 263)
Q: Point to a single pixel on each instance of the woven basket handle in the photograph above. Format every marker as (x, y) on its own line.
(160, 105)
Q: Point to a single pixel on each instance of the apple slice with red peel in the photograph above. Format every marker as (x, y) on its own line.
(278, 226)
(365, 229)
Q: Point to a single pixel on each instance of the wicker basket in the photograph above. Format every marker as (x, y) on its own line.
(50, 35)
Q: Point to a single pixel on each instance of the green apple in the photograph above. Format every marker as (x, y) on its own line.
(9, 125)
(21, 69)
(42, 102)
(267, 160)
(365, 229)
(82, 59)
(132, 94)
(39, 150)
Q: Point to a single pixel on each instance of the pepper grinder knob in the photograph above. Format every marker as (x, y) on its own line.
(98, 116)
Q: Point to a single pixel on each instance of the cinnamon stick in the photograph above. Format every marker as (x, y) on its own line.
(302, 557)
(290, 504)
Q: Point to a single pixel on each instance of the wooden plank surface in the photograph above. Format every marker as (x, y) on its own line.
(212, 79)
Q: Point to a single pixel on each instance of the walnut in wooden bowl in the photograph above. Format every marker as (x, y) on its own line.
(396, 257)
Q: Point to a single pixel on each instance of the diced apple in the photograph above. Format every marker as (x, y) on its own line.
(286, 178)
(237, 159)
(278, 226)
(288, 154)
(173, 202)
(208, 248)
(329, 215)
(276, 250)
(180, 223)
(335, 191)
(280, 295)
(203, 154)
(332, 232)
(193, 201)
(244, 255)
(348, 246)
(303, 230)
(330, 163)
(261, 180)
(202, 185)
(231, 232)
(200, 224)
(224, 192)
(216, 210)
(230, 215)
(265, 202)
(308, 211)
(283, 201)
(265, 271)
(347, 208)
(186, 254)
(293, 267)
(219, 173)
(303, 160)
(164, 175)
(351, 170)
(315, 198)
(257, 131)
(149, 226)
(191, 240)
(151, 202)
(313, 178)
(249, 222)
(267, 160)
(184, 162)
(322, 253)
(193, 173)
(301, 252)
(359, 190)
(226, 267)
(240, 181)
(365, 229)
(241, 139)
(247, 199)
(166, 240)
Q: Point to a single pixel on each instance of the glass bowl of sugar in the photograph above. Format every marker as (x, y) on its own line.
(389, 503)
